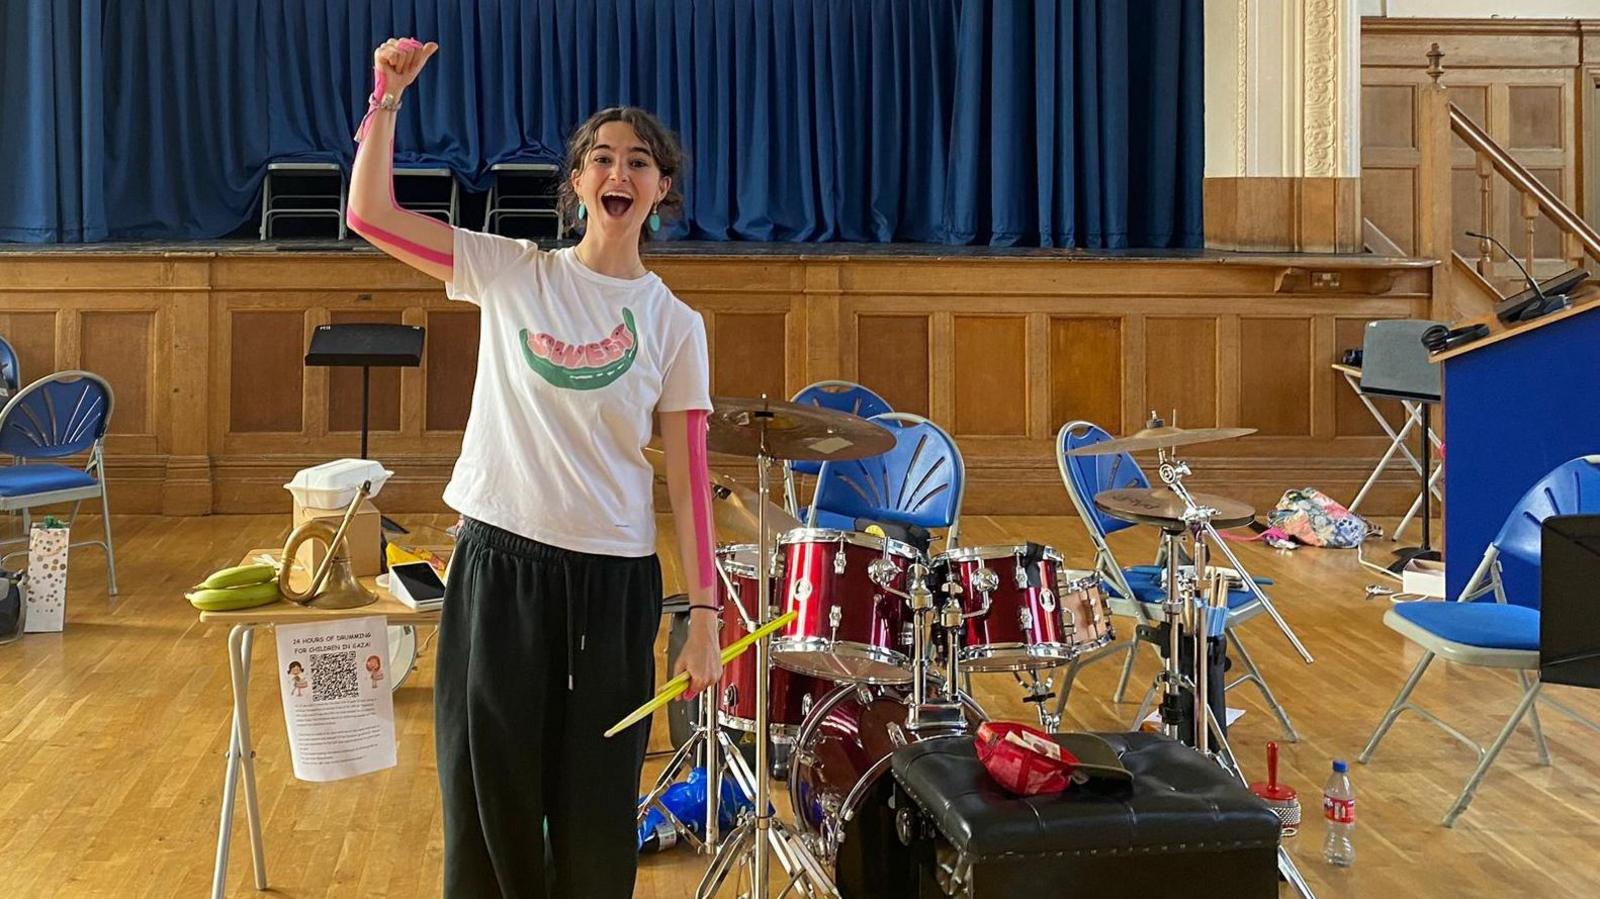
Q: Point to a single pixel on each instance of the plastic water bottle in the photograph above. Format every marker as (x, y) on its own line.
(1339, 810)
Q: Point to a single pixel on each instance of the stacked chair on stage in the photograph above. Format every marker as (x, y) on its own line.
(1136, 592)
(1495, 621)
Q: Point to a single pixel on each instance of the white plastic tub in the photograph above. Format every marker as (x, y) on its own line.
(332, 485)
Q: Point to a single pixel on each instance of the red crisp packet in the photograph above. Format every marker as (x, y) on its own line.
(1023, 760)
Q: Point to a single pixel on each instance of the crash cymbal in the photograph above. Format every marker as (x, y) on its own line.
(793, 432)
(1162, 508)
(1160, 438)
(733, 505)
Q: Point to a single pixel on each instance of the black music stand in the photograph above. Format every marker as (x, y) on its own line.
(1395, 363)
(367, 344)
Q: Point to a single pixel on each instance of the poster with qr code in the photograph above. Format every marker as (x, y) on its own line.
(334, 679)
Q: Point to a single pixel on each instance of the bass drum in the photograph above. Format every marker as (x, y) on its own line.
(839, 788)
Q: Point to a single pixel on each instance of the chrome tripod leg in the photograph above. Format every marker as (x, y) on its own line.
(742, 775)
(733, 849)
(1260, 595)
(1127, 671)
(1286, 864)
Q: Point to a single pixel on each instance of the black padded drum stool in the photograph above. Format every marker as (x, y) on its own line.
(1185, 829)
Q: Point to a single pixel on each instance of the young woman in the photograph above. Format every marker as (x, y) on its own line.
(554, 596)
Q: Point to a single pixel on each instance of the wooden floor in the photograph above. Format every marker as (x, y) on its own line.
(112, 738)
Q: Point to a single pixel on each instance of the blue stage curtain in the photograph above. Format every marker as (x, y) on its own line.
(51, 162)
(1074, 123)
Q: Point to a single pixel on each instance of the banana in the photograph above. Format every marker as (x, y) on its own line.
(227, 599)
(239, 576)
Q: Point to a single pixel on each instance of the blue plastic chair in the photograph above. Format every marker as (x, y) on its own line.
(918, 482)
(1136, 592)
(10, 371)
(1504, 632)
(840, 396)
(56, 417)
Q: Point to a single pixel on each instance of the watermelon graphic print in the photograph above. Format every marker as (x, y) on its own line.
(588, 366)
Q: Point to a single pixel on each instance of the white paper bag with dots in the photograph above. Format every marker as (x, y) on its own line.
(47, 579)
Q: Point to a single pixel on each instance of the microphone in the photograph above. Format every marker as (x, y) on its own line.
(1523, 310)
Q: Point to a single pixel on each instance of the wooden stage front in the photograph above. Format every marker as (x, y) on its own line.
(113, 735)
(204, 347)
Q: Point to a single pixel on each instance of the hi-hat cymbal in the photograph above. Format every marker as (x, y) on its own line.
(1162, 508)
(734, 506)
(1159, 438)
(793, 432)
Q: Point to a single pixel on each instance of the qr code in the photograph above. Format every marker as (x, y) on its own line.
(333, 676)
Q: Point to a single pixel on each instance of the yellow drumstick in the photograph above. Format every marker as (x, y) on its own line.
(674, 688)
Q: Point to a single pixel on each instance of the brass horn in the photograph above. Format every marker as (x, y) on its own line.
(333, 584)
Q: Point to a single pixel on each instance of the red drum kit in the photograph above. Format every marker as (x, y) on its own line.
(876, 655)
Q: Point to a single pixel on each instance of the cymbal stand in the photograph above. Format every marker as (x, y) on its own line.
(761, 831)
(1211, 737)
(714, 750)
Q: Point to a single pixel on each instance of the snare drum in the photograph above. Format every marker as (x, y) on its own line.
(792, 695)
(1016, 621)
(851, 623)
(1085, 610)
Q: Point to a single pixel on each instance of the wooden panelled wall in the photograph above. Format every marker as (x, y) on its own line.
(1532, 84)
(215, 410)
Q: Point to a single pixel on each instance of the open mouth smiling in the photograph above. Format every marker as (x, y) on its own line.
(616, 203)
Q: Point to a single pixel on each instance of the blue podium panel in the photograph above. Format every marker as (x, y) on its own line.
(1513, 410)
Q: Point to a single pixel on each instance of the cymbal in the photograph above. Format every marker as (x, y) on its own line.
(734, 506)
(1160, 438)
(793, 432)
(1162, 508)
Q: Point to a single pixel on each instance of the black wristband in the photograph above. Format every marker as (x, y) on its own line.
(702, 605)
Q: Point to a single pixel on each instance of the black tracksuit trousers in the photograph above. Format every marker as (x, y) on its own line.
(540, 650)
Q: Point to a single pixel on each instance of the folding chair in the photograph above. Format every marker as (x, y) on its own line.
(840, 396)
(509, 201)
(918, 482)
(10, 371)
(1137, 592)
(55, 417)
(1499, 634)
(318, 202)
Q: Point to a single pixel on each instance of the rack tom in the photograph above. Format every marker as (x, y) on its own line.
(851, 622)
(1013, 615)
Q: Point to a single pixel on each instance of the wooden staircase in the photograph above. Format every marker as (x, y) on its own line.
(1468, 288)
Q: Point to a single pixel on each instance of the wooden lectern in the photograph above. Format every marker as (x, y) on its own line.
(1517, 403)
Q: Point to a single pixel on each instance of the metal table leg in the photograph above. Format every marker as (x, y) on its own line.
(241, 761)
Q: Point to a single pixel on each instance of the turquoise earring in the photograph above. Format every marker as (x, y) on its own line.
(582, 212)
(654, 221)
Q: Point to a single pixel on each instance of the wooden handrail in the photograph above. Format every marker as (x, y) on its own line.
(1474, 137)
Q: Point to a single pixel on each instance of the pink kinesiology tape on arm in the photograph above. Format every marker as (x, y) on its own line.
(361, 226)
(380, 86)
(700, 487)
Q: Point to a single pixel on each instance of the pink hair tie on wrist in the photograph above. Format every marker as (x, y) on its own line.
(380, 85)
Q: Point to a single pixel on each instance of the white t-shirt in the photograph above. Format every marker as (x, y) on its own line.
(571, 366)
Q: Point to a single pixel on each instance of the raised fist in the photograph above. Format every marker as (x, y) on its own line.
(396, 63)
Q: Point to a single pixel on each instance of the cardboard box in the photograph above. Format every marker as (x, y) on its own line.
(1422, 577)
(364, 537)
